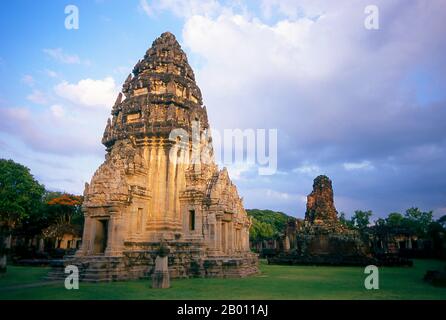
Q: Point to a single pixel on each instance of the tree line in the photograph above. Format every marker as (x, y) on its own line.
(268, 224)
(414, 220)
(28, 209)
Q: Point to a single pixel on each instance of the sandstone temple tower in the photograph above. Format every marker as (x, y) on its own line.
(150, 191)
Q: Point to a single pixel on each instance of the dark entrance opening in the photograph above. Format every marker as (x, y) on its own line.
(100, 239)
(402, 244)
(192, 220)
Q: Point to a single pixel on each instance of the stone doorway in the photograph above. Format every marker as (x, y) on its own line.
(100, 238)
(224, 241)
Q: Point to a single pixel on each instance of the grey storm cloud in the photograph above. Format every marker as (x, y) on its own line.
(366, 107)
(344, 95)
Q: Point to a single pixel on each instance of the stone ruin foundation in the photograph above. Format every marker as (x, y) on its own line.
(321, 239)
(149, 190)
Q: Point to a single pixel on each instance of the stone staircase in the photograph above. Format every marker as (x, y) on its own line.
(139, 265)
(97, 269)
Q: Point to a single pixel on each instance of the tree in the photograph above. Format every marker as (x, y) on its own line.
(346, 222)
(395, 219)
(34, 223)
(436, 232)
(442, 221)
(361, 219)
(64, 214)
(20, 197)
(260, 230)
(380, 222)
(267, 223)
(419, 221)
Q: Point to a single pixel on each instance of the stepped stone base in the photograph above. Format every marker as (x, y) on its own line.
(184, 262)
(326, 245)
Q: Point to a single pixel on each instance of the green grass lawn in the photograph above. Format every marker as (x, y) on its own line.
(274, 282)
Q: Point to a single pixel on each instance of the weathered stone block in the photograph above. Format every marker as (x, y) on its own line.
(160, 277)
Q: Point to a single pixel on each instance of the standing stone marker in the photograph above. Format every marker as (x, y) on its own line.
(160, 277)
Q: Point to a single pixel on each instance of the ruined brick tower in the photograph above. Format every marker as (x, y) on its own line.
(320, 203)
(152, 189)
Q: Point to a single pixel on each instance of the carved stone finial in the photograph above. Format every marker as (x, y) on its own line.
(118, 99)
(86, 186)
(137, 68)
(133, 141)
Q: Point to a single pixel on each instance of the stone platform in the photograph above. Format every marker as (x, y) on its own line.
(184, 261)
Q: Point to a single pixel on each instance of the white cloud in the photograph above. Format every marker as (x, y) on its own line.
(238, 170)
(59, 55)
(28, 80)
(285, 196)
(363, 165)
(308, 169)
(144, 5)
(39, 131)
(51, 73)
(261, 65)
(57, 110)
(50, 130)
(89, 92)
(182, 8)
(122, 70)
(37, 97)
(246, 51)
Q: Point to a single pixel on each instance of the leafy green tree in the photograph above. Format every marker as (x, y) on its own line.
(361, 219)
(442, 221)
(267, 223)
(419, 221)
(380, 222)
(261, 230)
(395, 219)
(20, 197)
(65, 215)
(33, 224)
(436, 232)
(346, 222)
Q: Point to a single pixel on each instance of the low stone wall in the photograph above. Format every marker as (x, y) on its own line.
(323, 259)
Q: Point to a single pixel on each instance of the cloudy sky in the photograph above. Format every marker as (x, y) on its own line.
(366, 107)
